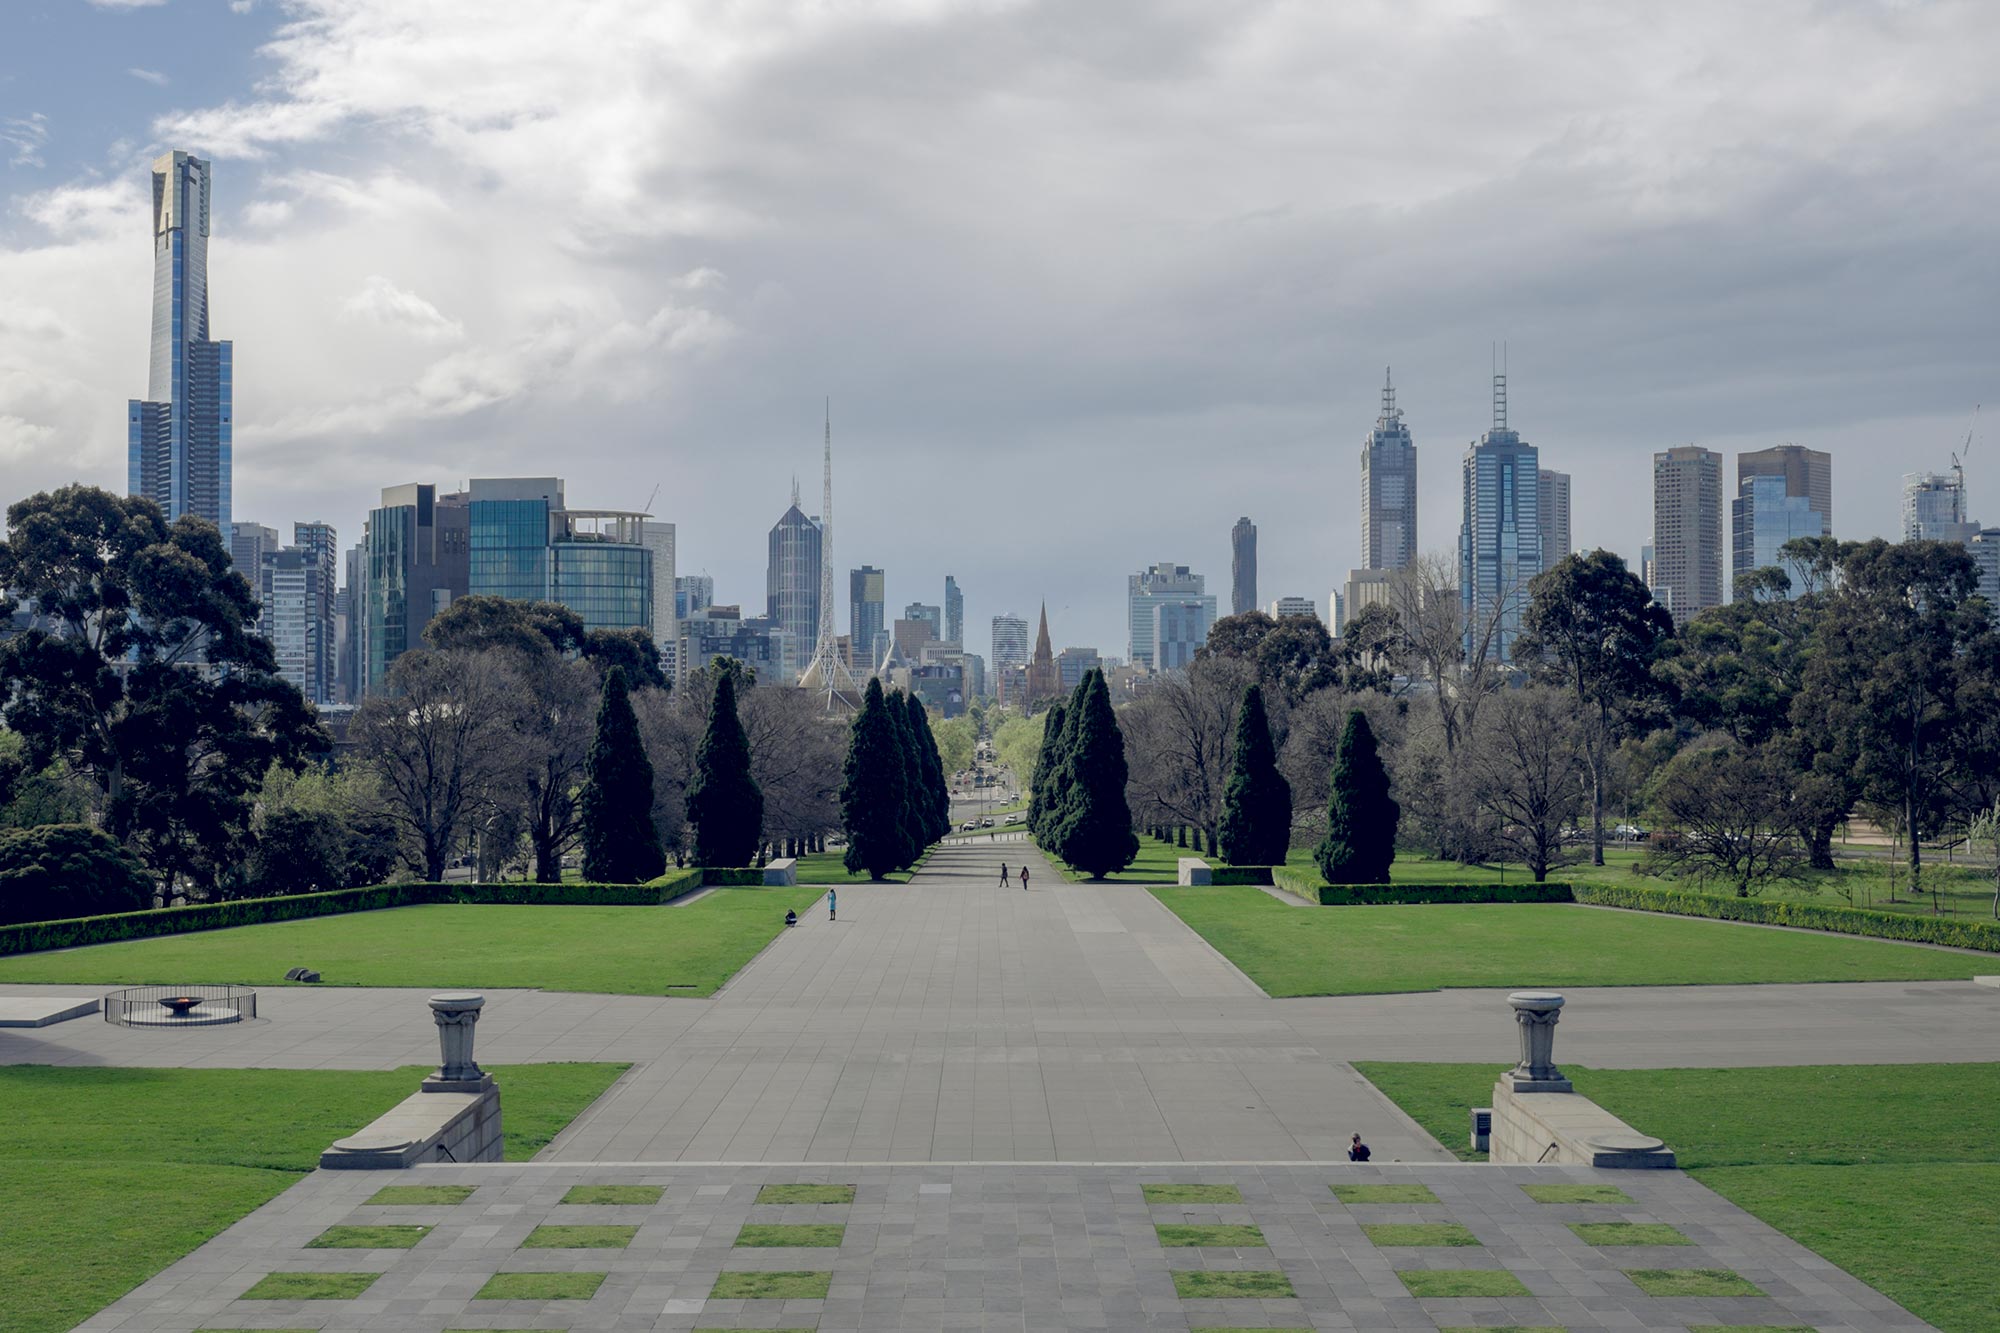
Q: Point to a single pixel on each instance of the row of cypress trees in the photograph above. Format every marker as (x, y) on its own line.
(1076, 798)
(894, 801)
(1361, 816)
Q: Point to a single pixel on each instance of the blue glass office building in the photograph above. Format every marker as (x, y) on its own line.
(527, 545)
(178, 436)
(1499, 535)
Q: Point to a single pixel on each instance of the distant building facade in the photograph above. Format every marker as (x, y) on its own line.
(1766, 516)
(692, 594)
(954, 611)
(1365, 587)
(1150, 587)
(1807, 472)
(867, 595)
(417, 547)
(1293, 606)
(527, 544)
(659, 538)
(1388, 489)
(1242, 567)
(1934, 508)
(930, 615)
(792, 584)
(1010, 655)
(1552, 512)
(1072, 664)
(1686, 562)
(1500, 532)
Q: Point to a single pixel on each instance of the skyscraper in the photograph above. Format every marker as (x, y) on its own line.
(1010, 642)
(1807, 472)
(791, 583)
(1388, 489)
(528, 545)
(416, 546)
(247, 544)
(178, 437)
(954, 611)
(660, 539)
(1499, 534)
(320, 547)
(930, 615)
(1165, 581)
(1242, 567)
(1552, 512)
(1934, 507)
(867, 593)
(1687, 576)
(693, 594)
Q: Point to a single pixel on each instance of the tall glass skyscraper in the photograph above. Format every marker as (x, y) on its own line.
(791, 583)
(954, 611)
(178, 436)
(527, 545)
(1388, 488)
(867, 636)
(1500, 534)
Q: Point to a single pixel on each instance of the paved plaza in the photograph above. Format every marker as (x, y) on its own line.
(998, 1073)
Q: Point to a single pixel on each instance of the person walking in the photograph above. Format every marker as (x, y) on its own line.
(1005, 878)
(831, 904)
(1024, 876)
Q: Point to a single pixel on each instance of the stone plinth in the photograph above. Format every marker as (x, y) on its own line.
(425, 1127)
(457, 1014)
(783, 872)
(1194, 871)
(1565, 1128)
(1535, 1014)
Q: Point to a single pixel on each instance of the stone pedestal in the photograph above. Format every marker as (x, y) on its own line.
(1193, 872)
(457, 1014)
(1535, 1014)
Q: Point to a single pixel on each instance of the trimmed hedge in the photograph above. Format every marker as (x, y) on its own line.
(1306, 885)
(35, 936)
(723, 877)
(1239, 874)
(1953, 932)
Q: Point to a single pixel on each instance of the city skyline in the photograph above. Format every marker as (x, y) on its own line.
(682, 321)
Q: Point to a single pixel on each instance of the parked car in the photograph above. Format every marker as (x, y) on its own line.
(968, 826)
(1629, 833)
(986, 823)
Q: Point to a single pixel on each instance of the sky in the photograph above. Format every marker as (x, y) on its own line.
(1084, 282)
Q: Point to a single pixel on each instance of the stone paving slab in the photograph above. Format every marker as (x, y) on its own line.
(1008, 1246)
(43, 1010)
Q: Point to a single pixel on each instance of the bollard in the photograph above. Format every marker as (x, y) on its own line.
(1536, 1012)
(456, 1013)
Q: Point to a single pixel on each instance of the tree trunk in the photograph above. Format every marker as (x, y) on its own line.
(1819, 845)
(1916, 846)
(548, 862)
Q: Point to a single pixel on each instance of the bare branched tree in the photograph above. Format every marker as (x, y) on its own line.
(1528, 774)
(1178, 738)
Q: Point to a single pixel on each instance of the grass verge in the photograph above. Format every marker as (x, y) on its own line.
(559, 1237)
(774, 1286)
(1221, 1236)
(763, 1236)
(368, 1238)
(806, 1194)
(1213, 1284)
(1456, 1283)
(540, 1287)
(622, 1195)
(1419, 1234)
(310, 1286)
(1384, 1194)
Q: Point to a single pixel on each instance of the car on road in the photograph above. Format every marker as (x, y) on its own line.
(986, 823)
(968, 826)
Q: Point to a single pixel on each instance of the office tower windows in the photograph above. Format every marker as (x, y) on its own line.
(1766, 517)
(930, 615)
(867, 595)
(178, 437)
(1242, 567)
(1010, 642)
(416, 544)
(954, 611)
(247, 544)
(1388, 489)
(659, 539)
(693, 593)
(1807, 473)
(792, 584)
(1180, 628)
(1073, 664)
(320, 547)
(528, 545)
(1499, 535)
(1934, 508)
(1162, 582)
(1552, 512)
(1686, 555)
(1293, 606)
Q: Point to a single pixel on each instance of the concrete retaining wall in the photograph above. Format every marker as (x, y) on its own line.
(1570, 1129)
(424, 1127)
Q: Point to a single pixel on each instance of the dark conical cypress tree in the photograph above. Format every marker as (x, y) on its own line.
(724, 807)
(915, 818)
(1093, 826)
(1361, 817)
(871, 797)
(935, 797)
(1056, 792)
(1256, 828)
(1045, 759)
(620, 844)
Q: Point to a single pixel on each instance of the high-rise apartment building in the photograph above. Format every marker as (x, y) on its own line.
(1365, 587)
(1293, 606)
(693, 594)
(659, 538)
(1984, 548)
(867, 594)
(528, 545)
(297, 619)
(1807, 472)
(1499, 534)
(1934, 507)
(954, 611)
(930, 615)
(1242, 567)
(1165, 581)
(417, 545)
(320, 547)
(247, 544)
(351, 608)
(792, 583)
(1687, 574)
(1073, 664)
(1010, 646)
(178, 437)
(1765, 518)
(1388, 488)
(1180, 628)
(1552, 512)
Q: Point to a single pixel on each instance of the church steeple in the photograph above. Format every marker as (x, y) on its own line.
(1043, 651)
(1044, 680)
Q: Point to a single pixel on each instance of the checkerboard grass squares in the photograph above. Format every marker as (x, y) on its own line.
(1628, 1233)
(1504, 1328)
(806, 1194)
(548, 1237)
(1192, 1193)
(1419, 1233)
(367, 1238)
(1208, 1284)
(1384, 1194)
(540, 1287)
(310, 1286)
(774, 1286)
(1446, 1283)
(646, 1195)
(1691, 1282)
(1224, 1237)
(1576, 1194)
(757, 1236)
(410, 1196)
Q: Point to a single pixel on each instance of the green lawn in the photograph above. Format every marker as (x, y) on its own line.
(687, 950)
(806, 1194)
(1157, 863)
(796, 1285)
(1890, 1171)
(1215, 1284)
(826, 868)
(109, 1175)
(1365, 950)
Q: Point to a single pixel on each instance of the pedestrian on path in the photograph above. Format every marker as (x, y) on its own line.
(1005, 878)
(1357, 1151)
(831, 904)
(1024, 877)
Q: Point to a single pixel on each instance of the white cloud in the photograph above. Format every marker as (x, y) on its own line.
(1156, 247)
(25, 137)
(127, 4)
(152, 76)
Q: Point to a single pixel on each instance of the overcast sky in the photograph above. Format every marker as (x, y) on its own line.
(1085, 281)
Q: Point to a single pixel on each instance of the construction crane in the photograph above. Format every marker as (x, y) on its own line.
(647, 508)
(1965, 451)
